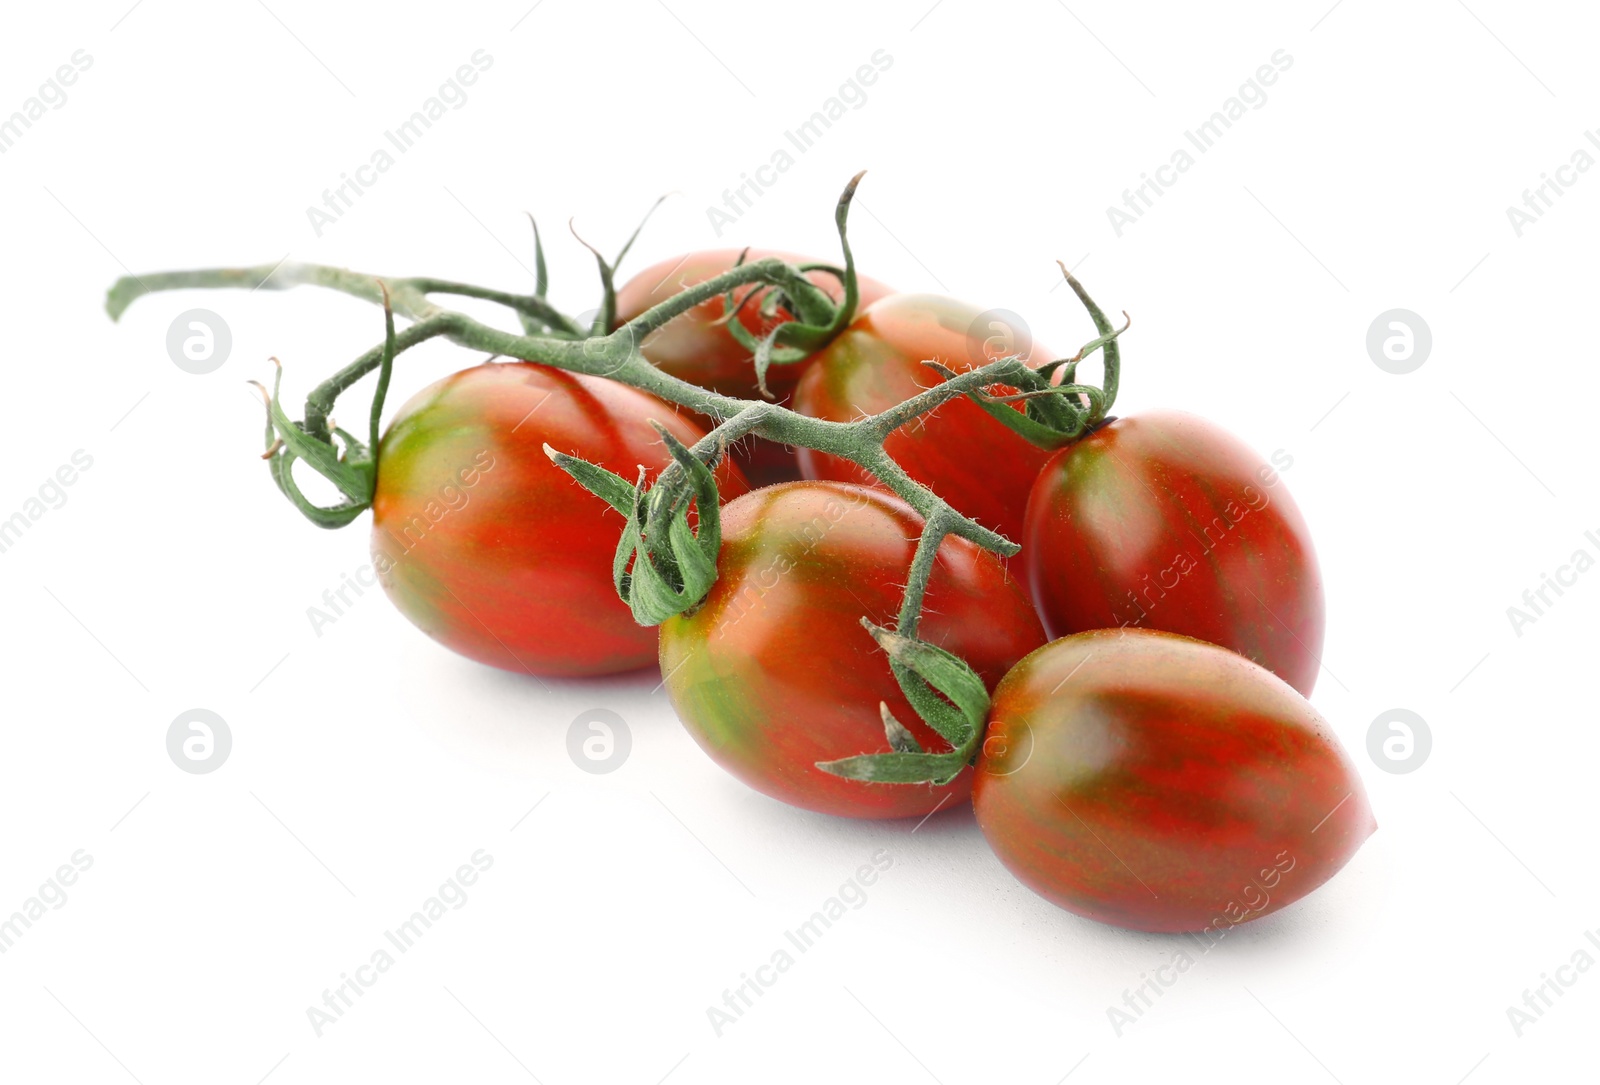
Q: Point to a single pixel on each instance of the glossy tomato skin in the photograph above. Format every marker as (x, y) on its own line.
(696, 348)
(1160, 783)
(975, 463)
(774, 672)
(492, 550)
(1162, 520)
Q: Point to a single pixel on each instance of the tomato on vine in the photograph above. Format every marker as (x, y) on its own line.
(1162, 520)
(971, 460)
(1162, 783)
(774, 672)
(492, 550)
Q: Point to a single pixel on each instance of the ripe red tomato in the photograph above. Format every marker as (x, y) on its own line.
(969, 459)
(494, 551)
(696, 348)
(774, 672)
(1163, 784)
(1163, 520)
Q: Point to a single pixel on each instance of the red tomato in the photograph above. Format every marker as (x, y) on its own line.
(1161, 783)
(969, 459)
(774, 672)
(494, 551)
(1164, 521)
(696, 348)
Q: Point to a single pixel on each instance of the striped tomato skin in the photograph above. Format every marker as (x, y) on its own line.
(1162, 520)
(1160, 783)
(971, 460)
(774, 672)
(494, 551)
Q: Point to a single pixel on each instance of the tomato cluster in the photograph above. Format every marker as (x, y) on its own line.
(1142, 750)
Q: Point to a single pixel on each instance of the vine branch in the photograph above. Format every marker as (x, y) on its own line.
(666, 567)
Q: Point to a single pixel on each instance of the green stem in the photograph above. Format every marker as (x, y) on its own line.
(617, 356)
(534, 305)
(319, 404)
(1004, 371)
(280, 276)
(934, 530)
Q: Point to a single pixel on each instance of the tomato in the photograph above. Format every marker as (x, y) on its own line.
(972, 461)
(494, 551)
(696, 348)
(1162, 783)
(774, 672)
(1164, 521)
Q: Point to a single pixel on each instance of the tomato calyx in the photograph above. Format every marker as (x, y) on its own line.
(1057, 409)
(817, 320)
(662, 567)
(348, 463)
(947, 694)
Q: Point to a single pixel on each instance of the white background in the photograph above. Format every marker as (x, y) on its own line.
(368, 763)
